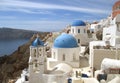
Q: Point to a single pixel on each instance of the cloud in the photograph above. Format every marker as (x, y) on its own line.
(26, 10)
(7, 17)
(63, 13)
(35, 25)
(25, 6)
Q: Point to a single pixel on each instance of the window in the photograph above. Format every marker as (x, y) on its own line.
(84, 31)
(39, 54)
(99, 26)
(35, 64)
(40, 50)
(118, 7)
(54, 55)
(74, 58)
(72, 30)
(107, 33)
(118, 26)
(63, 57)
(78, 30)
(78, 40)
(34, 52)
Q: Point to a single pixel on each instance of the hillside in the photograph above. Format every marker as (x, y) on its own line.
(11, 66)
(9, 33)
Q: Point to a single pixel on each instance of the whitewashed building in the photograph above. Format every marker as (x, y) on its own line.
(112, 32)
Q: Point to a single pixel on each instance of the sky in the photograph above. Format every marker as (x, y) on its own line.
(51, 15)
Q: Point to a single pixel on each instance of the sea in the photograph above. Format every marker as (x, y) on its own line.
(8, 46)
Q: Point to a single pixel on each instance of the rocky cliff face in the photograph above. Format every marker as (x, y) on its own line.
(11, 66)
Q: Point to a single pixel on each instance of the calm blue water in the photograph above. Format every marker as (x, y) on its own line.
(9, 46)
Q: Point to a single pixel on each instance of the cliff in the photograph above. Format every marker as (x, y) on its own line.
(9, 33)
(12, 65)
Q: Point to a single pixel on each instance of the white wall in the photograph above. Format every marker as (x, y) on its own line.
(82, 35)
(111, 32)
(68, 52)
(71, 57)
(74, 29)
(36, 64)
(91, 45)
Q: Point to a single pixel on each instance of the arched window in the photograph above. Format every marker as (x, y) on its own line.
(39, 53)
(35, 65)
(78, 40)
(34, 52)
(74, 57)
(63, 57)
(78, 30)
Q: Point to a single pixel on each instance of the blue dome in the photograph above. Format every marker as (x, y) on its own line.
(65, 41)
(37, 42)
(78, 23)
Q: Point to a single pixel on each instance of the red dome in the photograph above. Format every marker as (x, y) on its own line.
(116, 9)
(116, 5)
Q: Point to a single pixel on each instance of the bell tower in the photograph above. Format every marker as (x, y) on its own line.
(37, 61)
(78, 30)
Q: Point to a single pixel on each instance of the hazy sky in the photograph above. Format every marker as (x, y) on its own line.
(51, 15)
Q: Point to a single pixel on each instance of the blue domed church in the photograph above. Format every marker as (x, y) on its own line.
(66, 47)
(65, 53)
(37, 64)
(78, 30)
(65, 50)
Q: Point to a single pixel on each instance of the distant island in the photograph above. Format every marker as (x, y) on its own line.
(10, 33)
